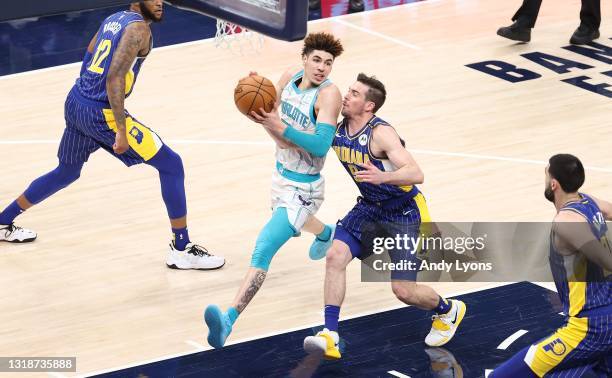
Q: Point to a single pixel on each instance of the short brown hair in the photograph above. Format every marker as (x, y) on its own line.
(324, 42)
(376, 92)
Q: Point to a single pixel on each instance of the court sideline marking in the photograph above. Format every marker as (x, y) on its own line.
(270, 143)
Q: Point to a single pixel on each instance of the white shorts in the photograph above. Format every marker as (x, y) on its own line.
(301, 199)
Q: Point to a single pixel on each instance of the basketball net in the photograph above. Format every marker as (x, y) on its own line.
(237, 39)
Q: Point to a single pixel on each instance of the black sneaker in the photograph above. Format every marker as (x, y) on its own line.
(584, 35)
(515, 32)
(356, 6)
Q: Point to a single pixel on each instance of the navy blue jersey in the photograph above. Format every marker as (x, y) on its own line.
(355, 149)
(92, 82)
(581, 284)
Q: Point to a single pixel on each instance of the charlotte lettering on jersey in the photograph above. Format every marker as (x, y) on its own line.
(513, 74)
(295, 114)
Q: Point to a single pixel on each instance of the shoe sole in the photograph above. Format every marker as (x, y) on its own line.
(20, 241)
(524, 40)
(460, 316)
(174, 266)
(212, 317)
(579, 42)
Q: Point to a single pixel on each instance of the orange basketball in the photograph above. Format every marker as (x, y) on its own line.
(254, 92)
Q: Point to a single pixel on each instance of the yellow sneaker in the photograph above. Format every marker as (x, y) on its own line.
(444, 326)
(325, 342)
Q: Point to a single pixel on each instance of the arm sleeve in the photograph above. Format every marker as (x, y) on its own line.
(318, 143)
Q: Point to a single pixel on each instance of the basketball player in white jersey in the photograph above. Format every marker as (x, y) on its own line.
(309, 108)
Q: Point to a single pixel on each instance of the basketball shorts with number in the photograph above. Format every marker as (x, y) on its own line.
(91, 125)
(301, 199)
(401, 216)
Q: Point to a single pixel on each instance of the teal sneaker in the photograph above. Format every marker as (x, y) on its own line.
(219, 326)
(319, 248)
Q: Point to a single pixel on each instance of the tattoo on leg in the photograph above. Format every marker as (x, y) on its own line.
(253, 288)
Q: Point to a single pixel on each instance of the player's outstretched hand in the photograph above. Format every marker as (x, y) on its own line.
(370, 174)
(121, 143)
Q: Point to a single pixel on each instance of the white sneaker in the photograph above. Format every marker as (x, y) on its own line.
(444, 326)
(193, 257)
(14, 234)
(325, 343)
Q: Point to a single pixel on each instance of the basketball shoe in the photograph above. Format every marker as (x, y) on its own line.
(193, 257)
(318, 248)
(14, 234)
(219, 326)
(325, 342)
(444, 326)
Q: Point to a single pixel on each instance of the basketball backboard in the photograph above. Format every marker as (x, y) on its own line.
(281, 19)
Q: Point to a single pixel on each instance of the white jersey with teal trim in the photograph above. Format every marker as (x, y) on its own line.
(297, 111)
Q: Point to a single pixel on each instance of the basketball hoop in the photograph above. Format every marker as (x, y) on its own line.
(237, 39)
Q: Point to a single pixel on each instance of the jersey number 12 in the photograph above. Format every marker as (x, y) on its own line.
(104, 48)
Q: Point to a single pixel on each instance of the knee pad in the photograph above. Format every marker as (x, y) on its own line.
(168, 162)
(67, 174)
(271, 238)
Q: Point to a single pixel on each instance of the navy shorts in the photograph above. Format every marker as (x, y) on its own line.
(399, 216)
(90, 125)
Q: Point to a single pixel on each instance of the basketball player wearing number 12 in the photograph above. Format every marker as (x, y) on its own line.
(303, 131)
(96, 118)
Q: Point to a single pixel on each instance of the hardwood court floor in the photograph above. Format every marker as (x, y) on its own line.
(95, 285)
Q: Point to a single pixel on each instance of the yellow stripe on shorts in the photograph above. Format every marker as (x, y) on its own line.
(140, 138)
(550, 352)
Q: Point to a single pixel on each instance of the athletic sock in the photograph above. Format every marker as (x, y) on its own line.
(325, 234)
(10, 213)
(232, 314)
(181, 238)
(332, 313)
(443, 306)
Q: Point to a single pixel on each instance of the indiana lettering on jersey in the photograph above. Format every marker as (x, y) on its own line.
(295, 114)
(114, 27)
(351, 156)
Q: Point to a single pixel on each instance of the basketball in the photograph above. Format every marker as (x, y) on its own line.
(254, 92)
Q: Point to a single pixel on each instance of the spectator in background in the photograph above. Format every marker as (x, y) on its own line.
(525, 18)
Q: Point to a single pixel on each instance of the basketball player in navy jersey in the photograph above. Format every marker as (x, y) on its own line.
(96, 118)
(386, 174)
(580, 255)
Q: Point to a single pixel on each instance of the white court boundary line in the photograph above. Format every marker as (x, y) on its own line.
(377, 34)
(292, 329)
(397, 374)
(510, 339)
(270, 143)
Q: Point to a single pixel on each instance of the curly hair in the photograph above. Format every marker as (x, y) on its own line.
(324, 42)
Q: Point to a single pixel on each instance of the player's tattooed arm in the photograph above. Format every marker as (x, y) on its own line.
(251, 290)
(135, 39)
